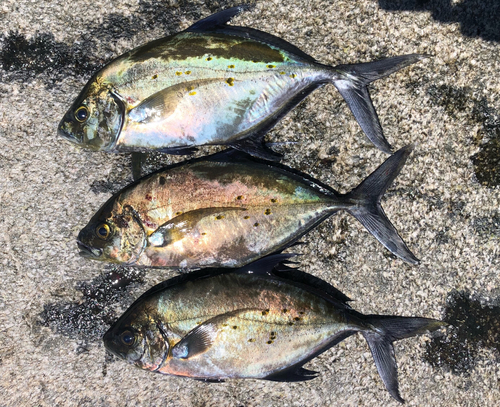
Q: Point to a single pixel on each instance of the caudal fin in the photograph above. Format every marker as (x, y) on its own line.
(364, 204)
(387, 330)
(352, 80)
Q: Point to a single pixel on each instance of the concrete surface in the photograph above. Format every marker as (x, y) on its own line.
(55, 305)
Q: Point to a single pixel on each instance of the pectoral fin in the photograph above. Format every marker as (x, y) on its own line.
(201, 338)
(155, 107)
(177, 228)
(162, 104)
(197, 341)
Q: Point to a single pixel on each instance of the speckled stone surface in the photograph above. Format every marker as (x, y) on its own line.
(55, 305)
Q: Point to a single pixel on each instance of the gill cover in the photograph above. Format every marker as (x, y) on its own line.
(118, 238)
(146, 347)
(95, 119)
(132, 236)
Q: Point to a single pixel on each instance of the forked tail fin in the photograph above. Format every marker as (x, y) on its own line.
(363, 203)
(388, 329)
(352, 81)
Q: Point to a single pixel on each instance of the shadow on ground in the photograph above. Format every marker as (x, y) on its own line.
(477, 18)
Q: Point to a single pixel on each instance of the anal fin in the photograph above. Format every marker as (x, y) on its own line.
(253, 142)
(298, 374)
(179, 150)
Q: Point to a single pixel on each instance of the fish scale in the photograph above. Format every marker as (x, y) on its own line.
(261, 321)
(212, 84)
(227, 210)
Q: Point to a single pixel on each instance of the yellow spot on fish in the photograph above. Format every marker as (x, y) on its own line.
(219, 217)
(154, 76)
(269, 342)
(192, 93)
(290, 323)
(282, 73)
(256, 224)
(178, 73)
(230, 81)
(301, 312)
(190, 88)
(178, 213)
(251, 340)
(246, 217)
(239, 197)
(235, 327)
(293, 76)
(297, 319)
(285, 310)
(209, 58)
(267, 212)
(271, 66)
(274, 200)
(204, 233)
(187, 72)
(265, 312)
(230, 66)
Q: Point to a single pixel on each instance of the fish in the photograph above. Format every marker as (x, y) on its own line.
(213, 84)
(264, 320)
(228, 209)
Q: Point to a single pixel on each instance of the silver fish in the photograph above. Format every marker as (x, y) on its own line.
(254, 322)
(228, 210)
(212, 84)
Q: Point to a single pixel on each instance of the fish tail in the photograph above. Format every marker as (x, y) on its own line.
(363, 203)
(352, 81)
(384, 331)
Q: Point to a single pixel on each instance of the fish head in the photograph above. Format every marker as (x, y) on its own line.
(115, 234)
(139, 338)
(95, 119)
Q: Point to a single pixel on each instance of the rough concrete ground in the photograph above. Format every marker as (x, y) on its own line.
(55, 305)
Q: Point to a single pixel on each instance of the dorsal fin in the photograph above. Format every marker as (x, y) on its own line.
(265, 265)
(218, 20)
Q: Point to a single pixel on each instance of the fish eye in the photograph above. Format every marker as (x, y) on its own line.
(103, 231)
(82, 114)
(127, 338)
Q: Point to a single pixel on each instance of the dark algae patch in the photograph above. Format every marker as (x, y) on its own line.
(463, 101)
(474, 326)
(89, 318)
(24, 59)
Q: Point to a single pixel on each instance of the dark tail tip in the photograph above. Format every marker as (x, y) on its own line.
(388, 329)
(352, 81)
(364, 205)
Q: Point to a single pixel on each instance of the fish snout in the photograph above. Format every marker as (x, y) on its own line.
(64, 131)
(112, 343)
(87, 251)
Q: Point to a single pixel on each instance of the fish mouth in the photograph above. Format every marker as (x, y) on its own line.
(87, 251)
(64, 133)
